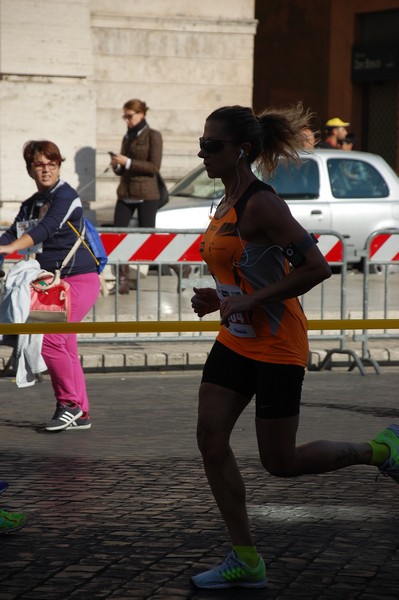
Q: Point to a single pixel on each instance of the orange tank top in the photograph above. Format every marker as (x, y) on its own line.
(275, 332)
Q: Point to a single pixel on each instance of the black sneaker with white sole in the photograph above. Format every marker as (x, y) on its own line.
(63, 417)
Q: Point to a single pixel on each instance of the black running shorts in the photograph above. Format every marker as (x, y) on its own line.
(277, 388)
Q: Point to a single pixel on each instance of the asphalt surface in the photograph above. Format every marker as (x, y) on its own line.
(124, 511)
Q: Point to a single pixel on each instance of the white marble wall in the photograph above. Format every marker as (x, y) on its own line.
(45, 90)
(81, 60)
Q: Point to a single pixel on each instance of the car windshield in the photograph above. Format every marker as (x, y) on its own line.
(198, 185)
(295, 182)
(355, 179)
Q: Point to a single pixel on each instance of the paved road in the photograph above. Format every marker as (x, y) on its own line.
(123, 511)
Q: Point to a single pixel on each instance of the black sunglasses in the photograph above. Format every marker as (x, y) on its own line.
(213, 146)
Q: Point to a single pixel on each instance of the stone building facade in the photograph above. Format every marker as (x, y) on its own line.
(66, 68)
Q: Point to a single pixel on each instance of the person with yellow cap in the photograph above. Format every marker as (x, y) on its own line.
(335, 132)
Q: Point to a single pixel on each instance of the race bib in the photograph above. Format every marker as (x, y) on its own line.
(25, 227)
(239, 323)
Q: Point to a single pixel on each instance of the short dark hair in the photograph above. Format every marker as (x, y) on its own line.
(49, 149)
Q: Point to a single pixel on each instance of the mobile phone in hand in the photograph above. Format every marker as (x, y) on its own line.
(112, 153)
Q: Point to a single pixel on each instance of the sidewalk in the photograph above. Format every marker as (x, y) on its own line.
(172, 356)
(158, 355)
(124, 511)
(183, 355)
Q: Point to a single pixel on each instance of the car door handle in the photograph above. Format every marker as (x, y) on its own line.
(316, 212)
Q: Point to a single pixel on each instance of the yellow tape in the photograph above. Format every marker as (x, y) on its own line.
(180, 326)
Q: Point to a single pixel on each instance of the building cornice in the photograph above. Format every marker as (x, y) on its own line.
(242, 26)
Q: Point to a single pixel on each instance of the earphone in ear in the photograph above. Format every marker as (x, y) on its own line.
(242, 153)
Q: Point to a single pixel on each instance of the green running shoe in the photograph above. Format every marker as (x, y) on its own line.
(10, 522)
(390, 437)
(232, 573)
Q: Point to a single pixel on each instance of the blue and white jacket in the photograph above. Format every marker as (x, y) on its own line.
(53, 231)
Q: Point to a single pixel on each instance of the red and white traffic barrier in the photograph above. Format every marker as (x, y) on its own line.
(170, 248)
(331, 247)
(384, 247)
(183, 247)
(152, 247)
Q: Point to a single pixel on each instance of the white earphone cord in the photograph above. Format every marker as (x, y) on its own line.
(213, 203)
(245, 264)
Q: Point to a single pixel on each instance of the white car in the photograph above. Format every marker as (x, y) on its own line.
(351, 193)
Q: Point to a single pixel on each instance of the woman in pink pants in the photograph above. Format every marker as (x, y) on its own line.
(60, 350)
(46, 216)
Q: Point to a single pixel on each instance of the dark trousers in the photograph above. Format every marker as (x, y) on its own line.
(146, 213)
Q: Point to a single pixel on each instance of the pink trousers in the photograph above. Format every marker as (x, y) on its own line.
(60, 350)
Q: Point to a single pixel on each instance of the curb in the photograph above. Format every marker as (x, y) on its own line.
(143, 361)
(173, 357)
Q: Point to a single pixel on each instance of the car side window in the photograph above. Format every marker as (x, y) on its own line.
(295, 182)
(198, 185)
(352, 178)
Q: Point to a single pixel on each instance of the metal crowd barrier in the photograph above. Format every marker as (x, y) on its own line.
(333, 247)
(159, 249)
(161, 297)
(162, 255)
(382, 256)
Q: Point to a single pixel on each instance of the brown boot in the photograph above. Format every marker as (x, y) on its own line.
(123, 281)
